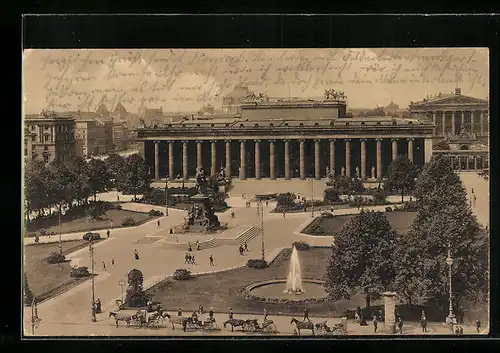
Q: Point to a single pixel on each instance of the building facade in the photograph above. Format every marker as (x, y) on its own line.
(285, 139)
(52, 136)
(29, 138)
(90, 137)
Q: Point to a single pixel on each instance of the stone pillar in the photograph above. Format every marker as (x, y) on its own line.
(228, 159)
(434, 121)
(363, 158)
(481, 121)
(257, 159)
(272, 160)
(199, 161)
(171, 160)
(379, 159)
(317, 173)
(459, 163)
(427, 150)
(463, 119)
(332, 157)
(394, 148)
(453, 123)
(157, 160)
(302, 170)
(185, 160)
(444, 123)
(475, 163)
(390, 308)
(348, 157)
(472, 118)
(213, 150)
(410, 149)
(243, 163)
(287, 159)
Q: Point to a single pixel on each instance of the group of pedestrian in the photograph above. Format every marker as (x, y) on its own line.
(189, 259)
(243, 248)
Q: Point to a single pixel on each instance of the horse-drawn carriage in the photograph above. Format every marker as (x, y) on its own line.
(252, 325)
(322, 329)
(138, 319)
(194, 323)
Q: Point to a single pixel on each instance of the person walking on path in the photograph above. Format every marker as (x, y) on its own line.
(103, 265)
(267, 203)
(375, 323)
(136, 254)
(284, 213)
(179, 312)
(423, 323)
(245, 246)
(158, 223)
(171, 231)
(400, 324)
(306, 315)
(265, 314)
(113, 261)
(193, 261)
(211, 259)
(107, 233)
(186, 258)
(478, 325)
(211, 313)
(232, 214)
(230, 313)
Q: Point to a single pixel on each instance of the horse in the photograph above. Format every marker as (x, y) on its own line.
(235, 323)
(302, 325)
(121, 317)
(179, 320)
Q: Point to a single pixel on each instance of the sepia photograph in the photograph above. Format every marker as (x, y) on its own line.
(256, 192)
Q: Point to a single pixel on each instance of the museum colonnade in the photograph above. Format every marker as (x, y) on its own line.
(453, 121)
(367, 158)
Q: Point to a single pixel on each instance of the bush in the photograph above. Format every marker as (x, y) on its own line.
(286, 200)
(388, 209)
(136, 297)
(96, 210)
(331, 195)
(379, 197)
(55, 258)
(301, 246)
(128, 222)
(155, 213)
(257, 263)
(182, 274)
(43, 231)
(79, 272)
(91, 236)
(409, 206)
(28, 295)
(118, 207)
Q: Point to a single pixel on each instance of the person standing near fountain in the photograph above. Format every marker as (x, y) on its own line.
(306, 315)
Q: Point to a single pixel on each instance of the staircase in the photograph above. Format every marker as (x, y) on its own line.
(246, 236)
(211, 243)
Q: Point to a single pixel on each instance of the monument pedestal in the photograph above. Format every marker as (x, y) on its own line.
(390, 309)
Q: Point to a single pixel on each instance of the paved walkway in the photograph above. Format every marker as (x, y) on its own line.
(481, 207)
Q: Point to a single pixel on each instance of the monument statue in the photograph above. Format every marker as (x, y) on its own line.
(201, 181)
(357, 172)
(373, 172)
(327, 172)
(342, 171)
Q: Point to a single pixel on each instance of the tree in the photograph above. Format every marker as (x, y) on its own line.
(79, 185)
(114, 163)
(96, 210)
(285, 200)
(135, 296)
(35, 188)
(28, 295)
(348, 186)
(133, 177)
(401, 175)
(98, 176)
(362, 258)
(331, 195)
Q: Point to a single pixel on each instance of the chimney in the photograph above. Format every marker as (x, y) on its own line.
(458, 91)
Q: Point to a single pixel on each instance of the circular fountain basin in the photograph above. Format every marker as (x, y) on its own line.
(275, 291)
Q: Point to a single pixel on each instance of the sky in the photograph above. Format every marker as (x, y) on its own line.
(184, 80)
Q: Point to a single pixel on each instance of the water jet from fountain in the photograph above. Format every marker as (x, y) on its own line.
(294, 280)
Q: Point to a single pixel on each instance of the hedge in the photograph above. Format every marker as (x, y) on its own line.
(257, 263)
(55, 258)
(301, 246)
(79, 272)
(128, 222)
(182, 274)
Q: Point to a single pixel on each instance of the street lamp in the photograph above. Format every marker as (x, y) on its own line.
(312, 196)
(449, 261)
(166, 197)
(122, 283)
(262, 226)
(60, 233)
(91, 249)
(34, 316)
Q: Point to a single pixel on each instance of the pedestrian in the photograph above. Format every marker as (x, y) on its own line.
(283, 213)
(198, 248)
(189, 247)
(265, 314)
(189, 258)
(136, 254)
(103, 265)
(186, 258)
(306, 315)
(118, 198)
(171, 231)
(179, 312)
(246, 246)
(211, 313)
(232, 214)
(478, 325)
(230, 313)
(193, 261)
(113, 261)
(200, 309)
(158, 223)
(472, 191)
(400, 324)
(295, 332)
(423, 323)
(37, 238)
(211, 259)
(461, 331)
(375, 323)
(107, 233)
(470, 203)
(474, 200)
(267, 203)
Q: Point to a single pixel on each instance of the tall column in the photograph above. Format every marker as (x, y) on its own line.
(317, 174)
(301, 161)
(199, 161)
(348, 157)
(243, 163)
(463, 120)
(394, 148)
(481, 118)
(475, 163)
(287, 159)
(171, 160)
(213, 150)
(363, 158)
(185, 160)
(427, 150)
(410, 149)
(452, 161)
(228, 159)
(157, 160)
(453, 123)
(257, 159)
(332, 157)
(434, 121)
(472, 118)
(444, 123)
(272, 160)
(379, 159)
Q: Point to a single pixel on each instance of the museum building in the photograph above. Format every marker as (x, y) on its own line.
(275, 138)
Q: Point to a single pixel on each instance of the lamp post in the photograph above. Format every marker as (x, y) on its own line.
(312, 196)
(166, 197)
(262, 226)
(91, 249)
(60, 237)
(449, 261)
(122, 283)
(34, 316)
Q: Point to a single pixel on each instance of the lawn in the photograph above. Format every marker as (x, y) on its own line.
(47, 280)
(400, 221)
(222, 291)
(84, 223)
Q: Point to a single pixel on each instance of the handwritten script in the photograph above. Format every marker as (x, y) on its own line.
(81, 80)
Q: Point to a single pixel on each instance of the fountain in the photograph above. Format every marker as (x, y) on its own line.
(294, 281)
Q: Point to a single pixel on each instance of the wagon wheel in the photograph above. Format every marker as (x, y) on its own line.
(251, 328)
(212, 325)
(271, 328)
